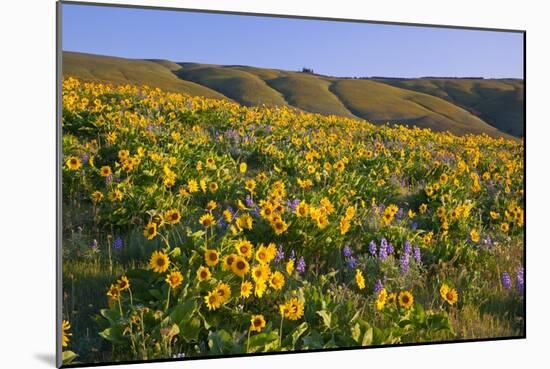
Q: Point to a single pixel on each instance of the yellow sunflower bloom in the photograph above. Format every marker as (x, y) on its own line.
(73, 163)
(359, 279)
(174, 279)
(244, 248)
(207, 220)
(203, 274)
(211, 257)
(213, 300)
(224, 291)
(406, 299)
(240, 266)
(105, 171)
(277, 280)
(257, 322)
(159, 262)
(150, 230)
(246, 289)
(172, 216)
(65, 334)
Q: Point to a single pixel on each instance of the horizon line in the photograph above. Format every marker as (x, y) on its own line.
(297, 71)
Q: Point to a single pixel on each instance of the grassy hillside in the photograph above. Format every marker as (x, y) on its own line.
(380, 103)
(498, 102)
(241, 86)
(120, 70)
(310, 93)
(494, 107)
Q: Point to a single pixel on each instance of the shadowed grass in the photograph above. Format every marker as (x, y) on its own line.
(498, 102)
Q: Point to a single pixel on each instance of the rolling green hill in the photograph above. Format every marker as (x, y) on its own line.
(379, 103)
(494, 107)
(120, 70)
(498, 102)
(241, 86)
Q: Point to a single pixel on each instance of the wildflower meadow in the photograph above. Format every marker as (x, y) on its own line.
(196, 227)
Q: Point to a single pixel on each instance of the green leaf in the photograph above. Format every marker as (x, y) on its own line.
(111, 315)
(68, 357)
(419, 310)
(298, 332)
(189, 330)
(219, 341)
(113, 334)
(405, 322)
(183, 312)
(326, 316)
(258, 341)
(368, 337)
(313, 340)
(156, 294)
(356, 332)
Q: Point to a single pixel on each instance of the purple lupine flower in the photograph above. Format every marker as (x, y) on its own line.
(378, 286)
(221, 223)
(381, 209)
(399, 213)
(383, 251)
(352, 262)
(372, 248)
(117, 244)
(407, 247)
(347, 251)
(301, 265)
(520, 279)
(109, 179)
(292, 205)
(248, 201)
(117, 178)
(487, 241)
(506, 281)
(94, 244)
(416, 255)
(256, 212)
(404, 264)
(84, 158)
(390, 249)
(280, 255)
(414, 226)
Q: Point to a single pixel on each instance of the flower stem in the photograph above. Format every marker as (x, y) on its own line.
(248, 341)
(131, 297)
(168, 298)
(281, 331)
(119, 306)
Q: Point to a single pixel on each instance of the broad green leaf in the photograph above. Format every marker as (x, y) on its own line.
(326, 316)
(183, 312)
(258, 341)
(298, 332)
(190, 329)
(68, 357)
(368, 337)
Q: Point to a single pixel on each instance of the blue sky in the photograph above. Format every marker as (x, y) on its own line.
(328, 47)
